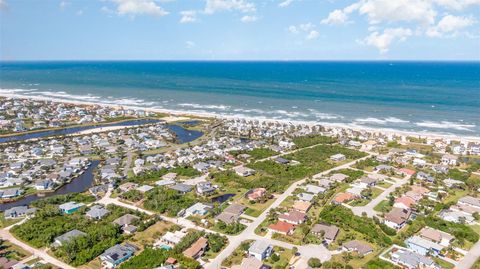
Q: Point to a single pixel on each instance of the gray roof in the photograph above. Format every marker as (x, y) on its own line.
(411, 259)
(235, 209)
(97, 212)
(331, 231)
(359, 246)
(126, 219)
(68, 236)
(116, 253)
(259, 247)
(19, 210)
(182, 187)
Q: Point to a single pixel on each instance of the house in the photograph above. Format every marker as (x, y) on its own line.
(456, 216)
(169, 176)
(358, 246)
(171, 238)
(282, 227)
(117, 254)
(97, 212)
(231, 214)
(449, 159)
(144, 188)
(256, 194)
(338, 157)
(306, 197)
(250, 263)
(404, 202)
(67, 237)
(197, 249)
(470, 201)
(423, 246)
(425, 177)
(281, 160)
(165, 182)
(293, 217)
(411, 260)
(260, 249)
(197, 209)
(10, 193)
(406, 172)
(182, 188)
(201, 167)
(19, 212)
(436, 236)
(343, 197)
(128, 186)
(314, 189)
(43, 185)
(330, 232)
(397, 218)
(338, 177)
(125, 222)
(244, 171)
(302, 206)
(70, 207)
(205, 188)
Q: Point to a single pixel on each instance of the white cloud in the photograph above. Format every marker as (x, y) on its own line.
(308, 29)
(336, 17)
(285, 3)
(449, 24)
(312, 35)
(79, 12)
(213, 6)
(188, 16)
(63, 5)
(248, 18)
(457, 4)
(379, 11)
(382, 41)
(190, 44)
(138, 7)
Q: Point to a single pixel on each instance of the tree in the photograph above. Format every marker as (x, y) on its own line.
(314, 263)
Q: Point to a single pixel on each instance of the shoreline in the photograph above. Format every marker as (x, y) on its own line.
(186, 113)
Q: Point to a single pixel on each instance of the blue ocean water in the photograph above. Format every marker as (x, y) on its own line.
(438, 97)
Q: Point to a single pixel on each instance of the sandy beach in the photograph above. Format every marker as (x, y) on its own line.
(177, 115)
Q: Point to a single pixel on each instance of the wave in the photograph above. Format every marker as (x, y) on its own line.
(218, 107)
(380, 121)
(447, 125)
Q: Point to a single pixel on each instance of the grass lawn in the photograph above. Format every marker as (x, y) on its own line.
(359, 202)
(93, 264)
(285, 256)
(354, 260)
(254, 210)
(443, 264)
(153, 232)
(384, 184)
(7, 222)
(237, 256)
(383, 206)
(457, 195)
(376, 192)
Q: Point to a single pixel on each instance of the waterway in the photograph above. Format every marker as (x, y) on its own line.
(78, 184)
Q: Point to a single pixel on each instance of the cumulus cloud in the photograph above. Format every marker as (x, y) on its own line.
(308, 29)
(383, 40)
(336, 17)
(402, 18)
(449, 25)
(3, 4)
(248, 18)
(138, 7)
(213, 6)
(188, 16)
(285, 3)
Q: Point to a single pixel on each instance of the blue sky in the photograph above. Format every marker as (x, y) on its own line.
(240, 29)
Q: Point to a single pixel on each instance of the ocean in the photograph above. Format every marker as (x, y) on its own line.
(421, 97)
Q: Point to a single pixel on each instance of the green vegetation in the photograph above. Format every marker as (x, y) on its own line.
(314, 263)
(364, 164)
(165, 200)
(231, 229)
(49, 223)
(257, 153)
(307, 141)
(380, 264)
(151, 176)
(460, 231)
(64, 198)
(344, 218)
(458, 175)
(151, 258)
(352, 174)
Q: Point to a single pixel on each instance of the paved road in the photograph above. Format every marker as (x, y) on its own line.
(468, 260)
(128, 163)
(318, 251)
(6, 235)
(358, 210)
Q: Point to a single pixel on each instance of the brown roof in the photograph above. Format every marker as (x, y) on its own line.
(343, 197)
(331, 231)
(302, 206)
(235, 209)
(196, 247)
(282, 226)
(293, 216)
(398, 215)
